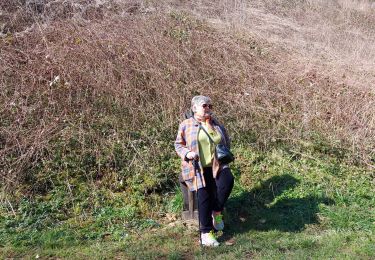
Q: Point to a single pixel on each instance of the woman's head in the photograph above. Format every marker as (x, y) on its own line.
(201, 106)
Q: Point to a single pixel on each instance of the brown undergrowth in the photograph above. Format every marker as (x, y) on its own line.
(96, 96)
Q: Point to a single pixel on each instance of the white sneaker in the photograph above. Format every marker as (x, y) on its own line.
(208, 239)
(218, 222)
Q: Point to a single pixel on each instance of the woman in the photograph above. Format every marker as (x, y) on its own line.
(195, 144)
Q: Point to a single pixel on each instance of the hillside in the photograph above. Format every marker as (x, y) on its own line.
(92, 92)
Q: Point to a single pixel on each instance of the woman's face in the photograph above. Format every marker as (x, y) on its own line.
(203, 110)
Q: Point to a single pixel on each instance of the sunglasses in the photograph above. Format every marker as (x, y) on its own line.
(207, 105)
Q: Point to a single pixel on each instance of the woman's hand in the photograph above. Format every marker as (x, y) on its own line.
(192, 156)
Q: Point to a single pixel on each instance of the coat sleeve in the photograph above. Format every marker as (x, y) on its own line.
(226, 136)
(180, 143)
(225, 133)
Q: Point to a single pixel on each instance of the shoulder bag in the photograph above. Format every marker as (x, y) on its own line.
(224, 155)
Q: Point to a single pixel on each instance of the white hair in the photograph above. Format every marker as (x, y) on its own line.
(199, 100)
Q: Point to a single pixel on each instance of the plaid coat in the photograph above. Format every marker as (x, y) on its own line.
(187, 141)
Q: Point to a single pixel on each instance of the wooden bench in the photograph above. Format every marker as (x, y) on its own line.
(190, 206)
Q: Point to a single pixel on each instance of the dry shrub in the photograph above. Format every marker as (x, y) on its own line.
(16, 16)
(79, 91)
(325, 56)
(336, 34)
(133, 74)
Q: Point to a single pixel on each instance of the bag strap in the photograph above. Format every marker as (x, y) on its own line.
(204, 130)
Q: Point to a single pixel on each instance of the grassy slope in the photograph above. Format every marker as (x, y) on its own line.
(284, 205)
(295, 202)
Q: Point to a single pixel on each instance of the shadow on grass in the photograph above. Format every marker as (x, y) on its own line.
(257, 210)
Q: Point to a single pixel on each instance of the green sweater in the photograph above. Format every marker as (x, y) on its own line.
(206, 148)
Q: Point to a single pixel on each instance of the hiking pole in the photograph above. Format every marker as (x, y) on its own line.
(197, 170)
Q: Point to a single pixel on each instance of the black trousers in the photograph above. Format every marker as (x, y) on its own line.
(213, 196)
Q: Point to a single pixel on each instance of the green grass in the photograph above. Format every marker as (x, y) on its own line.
(285, 205)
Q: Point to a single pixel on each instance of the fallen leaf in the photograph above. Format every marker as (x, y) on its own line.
(230, 242)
